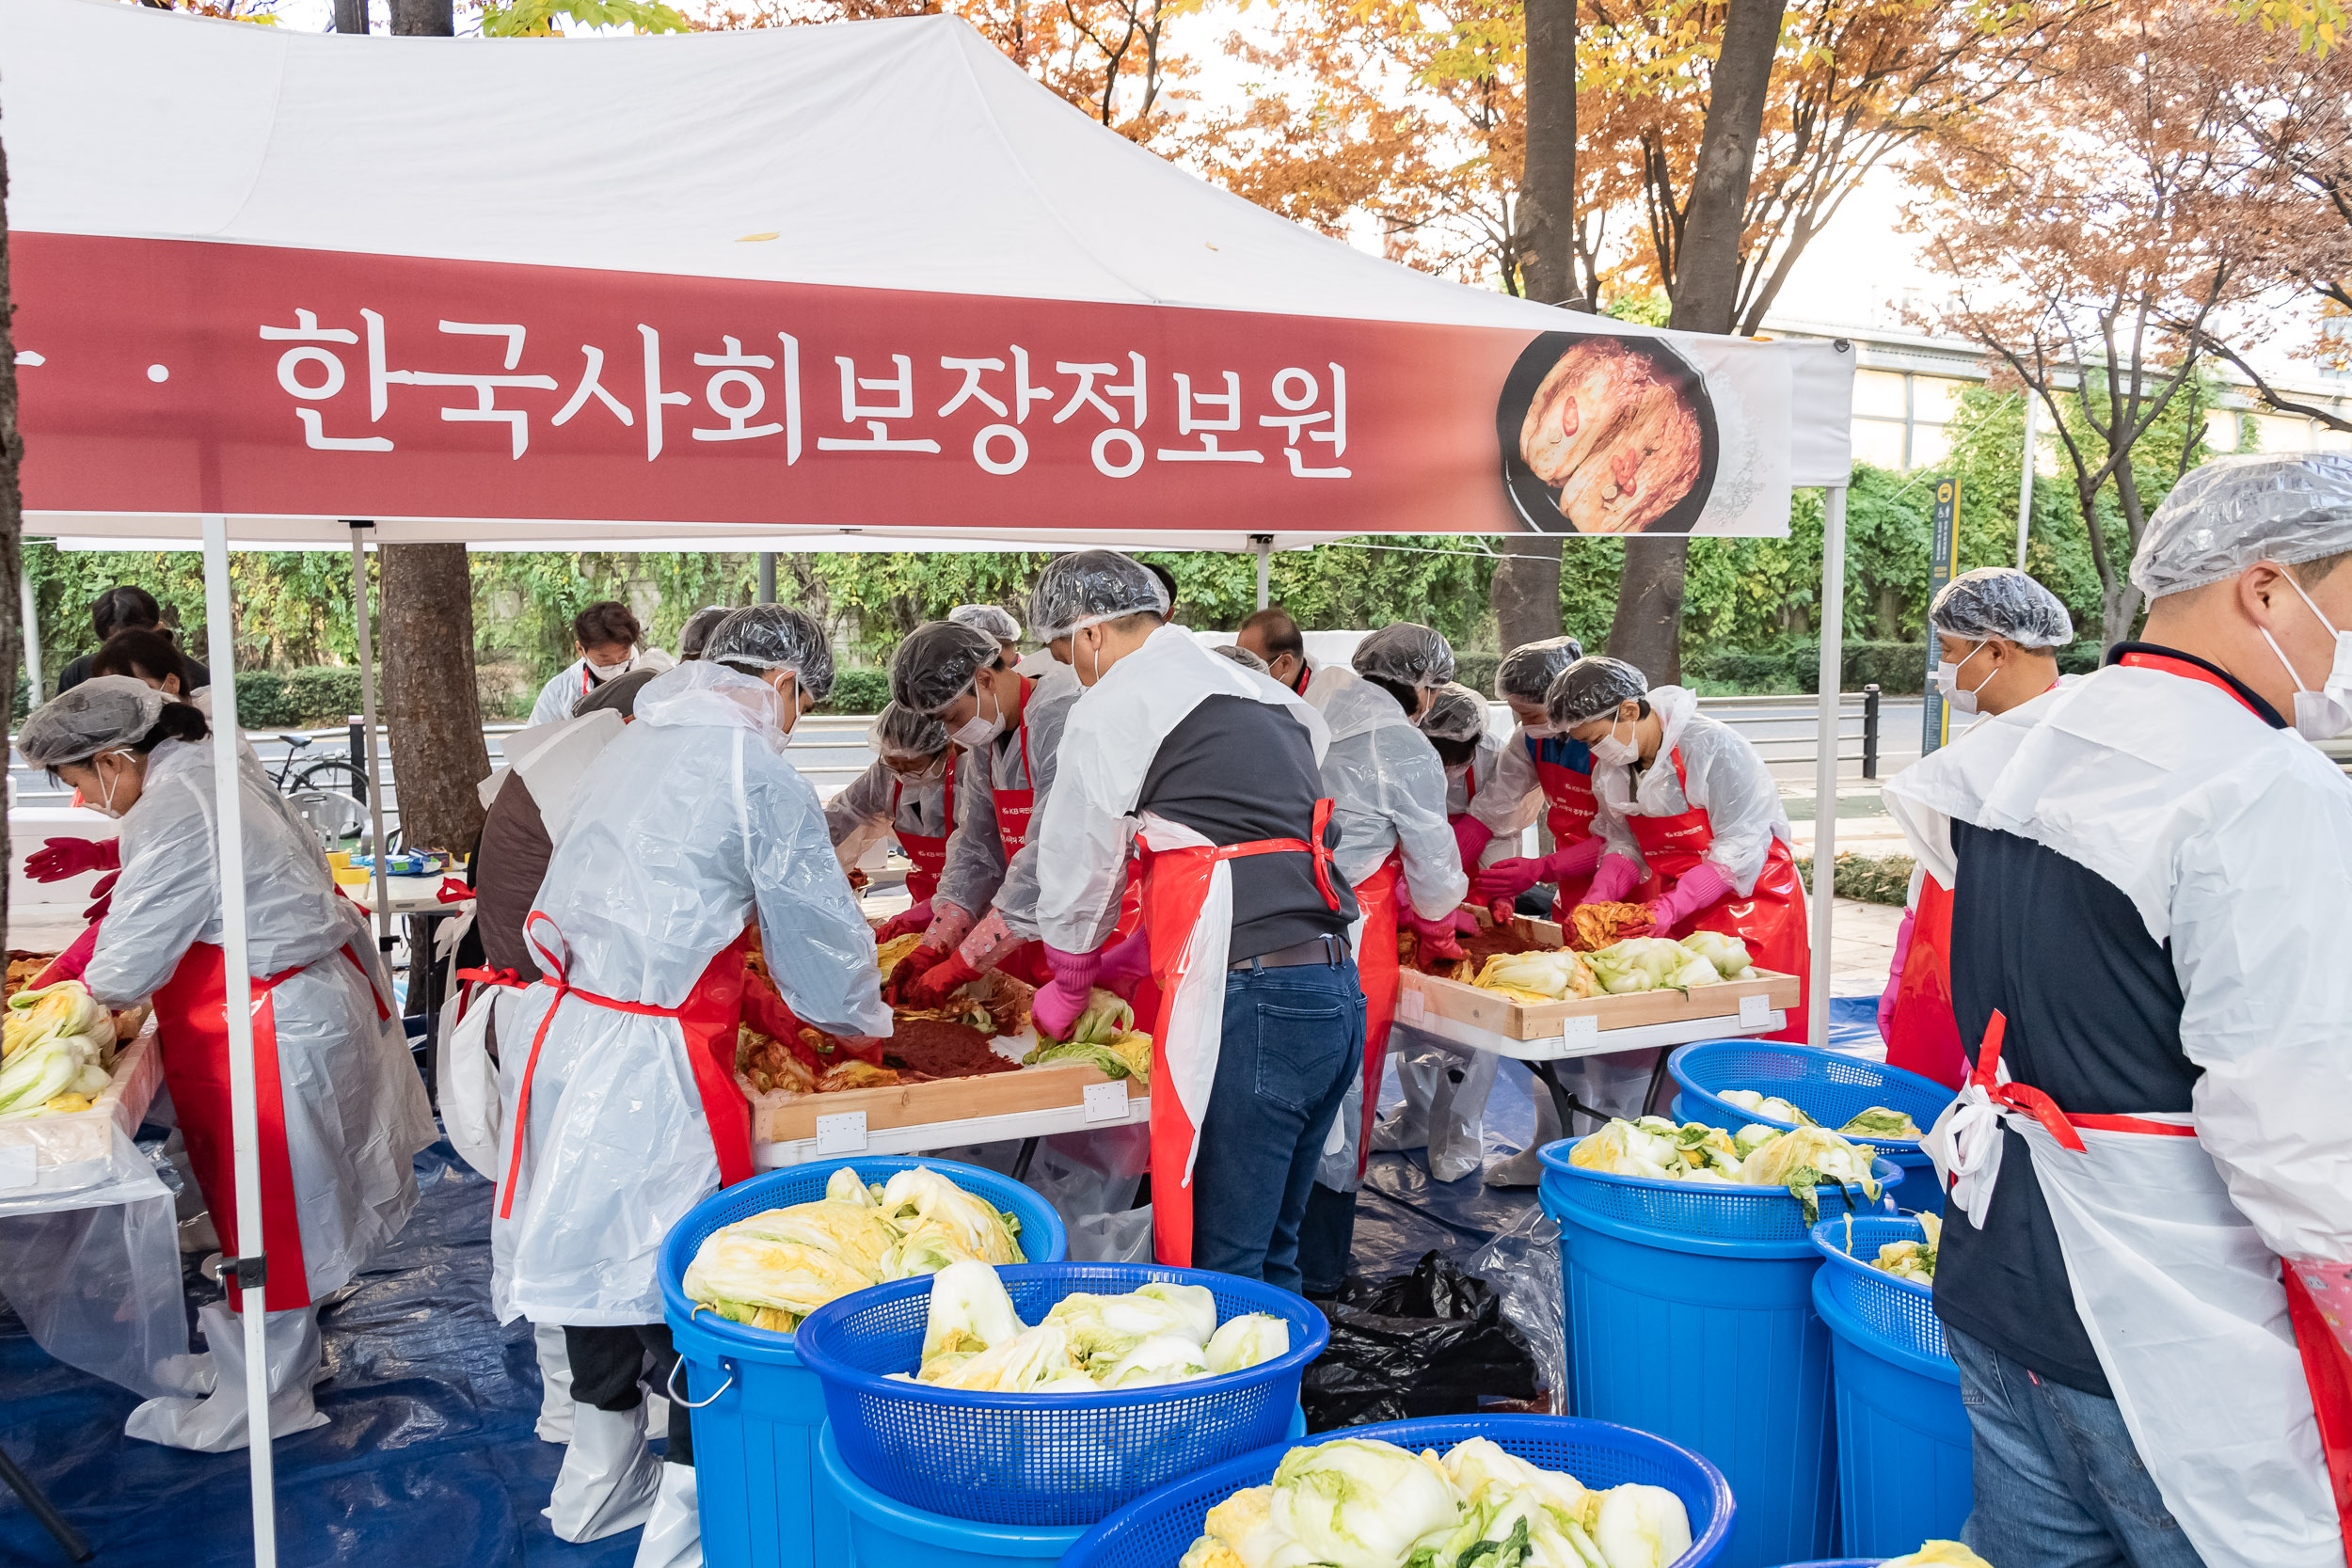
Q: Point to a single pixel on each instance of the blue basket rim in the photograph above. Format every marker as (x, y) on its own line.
(1563, 1208)
(1295, 1311)
(1844, 1325)
(1556, 1157)
(967, 1535)
(1900, 1075)
(1829, 1239)
(1409, 1435)
(767, 1345)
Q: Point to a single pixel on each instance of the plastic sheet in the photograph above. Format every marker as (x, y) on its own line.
(99, 1289)
(1522, 1266)
(1431, 1343)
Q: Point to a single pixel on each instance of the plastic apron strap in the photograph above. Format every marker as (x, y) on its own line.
(1376, 895)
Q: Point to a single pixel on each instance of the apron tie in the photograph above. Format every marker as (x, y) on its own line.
(1314, 848)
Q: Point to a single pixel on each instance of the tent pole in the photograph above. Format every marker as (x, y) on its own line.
(767, 577)
(1825, 754)
(2025, 481)
(250, 1266)
(1265, 566)
(31, 620)
(372, 765)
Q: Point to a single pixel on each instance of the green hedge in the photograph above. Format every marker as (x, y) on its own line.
(298, 699)
(857, 692)
(1872, 878)
(1476, 670)
(1895, 667)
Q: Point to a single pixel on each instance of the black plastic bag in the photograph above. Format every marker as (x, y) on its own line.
(1432, 1342)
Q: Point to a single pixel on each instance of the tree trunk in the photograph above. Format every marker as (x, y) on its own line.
(431, 708)
(1647, 631)
(426, 18)
(11, 502)
(1526, 588)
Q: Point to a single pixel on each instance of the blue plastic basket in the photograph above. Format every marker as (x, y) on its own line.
(1156, 1531)
(1042, 1459)
(757, 1407)
(1905, 1463)
(1829, 1086)
(1710, 1213)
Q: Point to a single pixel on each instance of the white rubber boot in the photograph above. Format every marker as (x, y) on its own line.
(217, 1423)
(1524, 1169)
(555, 1383)
(1457, 1116)
(609, 1477)
(673, 1536)
(1420, 1069)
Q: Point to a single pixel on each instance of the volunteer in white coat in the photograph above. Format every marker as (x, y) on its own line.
(2143, 1273)
(341, 1108)
(624, 1112)
(1211, 773)
(908, 793)
(605, 636)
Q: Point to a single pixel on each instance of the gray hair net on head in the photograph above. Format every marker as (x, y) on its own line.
(775, 637)
(1528, 670)
(1241, 656)
(2225, 515)
(1592, 689)
(696, 635)
(900, 732)
(935, 664)
(998, 624)
(103, 712)
(2003, 602)
(1407, 652)
(1456, 713)
(1083, 590)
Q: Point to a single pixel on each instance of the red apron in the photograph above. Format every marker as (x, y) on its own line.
(1175, 881)
(926, 853)
(192, 1027)
(1376, 971)
(1923, 1036)
(708, 1017)
(1573, 807)
(1771, 920)
(1013, 806)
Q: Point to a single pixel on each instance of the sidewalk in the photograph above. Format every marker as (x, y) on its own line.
(1861, 945)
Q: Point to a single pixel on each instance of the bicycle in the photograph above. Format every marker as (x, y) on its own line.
(332, 774)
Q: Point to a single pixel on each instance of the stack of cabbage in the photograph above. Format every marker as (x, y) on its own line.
(1639, 964)
(1357, 1502)
(773, 1269)
(1875, 1122)
(1756, 1156)
(55, 1048)
(1087, 1344)
(1912, 1260)
(1938, 1553)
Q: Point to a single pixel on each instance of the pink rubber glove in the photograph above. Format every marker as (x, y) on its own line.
(930, 989)
(1506, 880)
(102, 897)
(1895, 975)
(1471, 837)
(1701, 886)
(1057, 1006)
(1572, 860)
(1437, 939)
(1125, 964)
(905, 920)
(69, 964)
(1612, 880)
(60, 857)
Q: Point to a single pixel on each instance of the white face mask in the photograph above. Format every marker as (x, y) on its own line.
(606, 672)
(1610, 748)
(104, 804)
(1543, 730)
(1961, 699)
(2327, 713)
(977, 732)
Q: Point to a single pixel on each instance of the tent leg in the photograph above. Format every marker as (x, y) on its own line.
(1825, 754)
(2024, 482)
(1265, 566)
(372, 765)
(243, 1118)
(31, 622)
(767, 577)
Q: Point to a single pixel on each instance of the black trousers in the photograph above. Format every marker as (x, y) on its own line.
(608, 1361)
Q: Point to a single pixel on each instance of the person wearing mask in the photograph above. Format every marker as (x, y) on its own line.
(620, 1079)
(341, 1108)
(1996, 631)
(1692, 818)
(1275, 638)
(998, 624)
(909, 792)
(2145, 1274)
(1388, 801)
(1010, 724)
(605, 636)
(126, 608)
(1259, 1024)
(695, 634)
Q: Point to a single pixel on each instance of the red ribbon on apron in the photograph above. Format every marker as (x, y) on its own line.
(927, 853)
(1013, 806)
(1771, 920)
(708, 1018)
(1175, 881)
(1376, 973)
(1572, 808)
(192, 1027)
(1923, 1036)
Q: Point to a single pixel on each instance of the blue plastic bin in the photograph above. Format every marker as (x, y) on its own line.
(1154, 1531)
(1690, 1314)
(1042, 1459)
(1829, 1086)
(755, 1439)
(1905, 1466)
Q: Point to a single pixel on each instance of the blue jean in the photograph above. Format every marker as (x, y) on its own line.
(2059, 1481)
(1293, 1040)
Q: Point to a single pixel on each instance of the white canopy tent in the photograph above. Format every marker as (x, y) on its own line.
(866, 284)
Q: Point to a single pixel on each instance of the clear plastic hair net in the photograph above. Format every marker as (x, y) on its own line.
(102, 712)
(1407, 652)
(696, 635)
(2232, 512)
(1088, 587)
(1456, 713)
(903, 736)
(1241, 656)
(1528, 670)
(935, 664)
(2003, 602)
(776, 637)
(1592, 688)
(998, 624)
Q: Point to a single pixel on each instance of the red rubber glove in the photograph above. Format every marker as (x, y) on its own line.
(1895, 975)
(1699, 888)
(1057, 1006)
(1125, 965)
(1437, 939)
(1471, 836)
(916, 919)
(1615, 878)
(1506, 880)
(102, 897)
(930, 987)
(69, 964)
(60, 857)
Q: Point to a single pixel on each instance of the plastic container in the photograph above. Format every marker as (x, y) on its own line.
(1154, 1531)
(1829, 1086)
(1904, 1458)
(1690, 1314)
(755, 1436)
(1042, 1459)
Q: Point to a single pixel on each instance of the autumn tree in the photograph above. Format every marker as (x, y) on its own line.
(12, 498)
